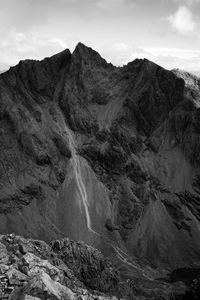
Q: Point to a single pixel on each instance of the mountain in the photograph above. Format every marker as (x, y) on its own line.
(105, 155)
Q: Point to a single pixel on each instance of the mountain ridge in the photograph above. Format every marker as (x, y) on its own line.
(102, 154)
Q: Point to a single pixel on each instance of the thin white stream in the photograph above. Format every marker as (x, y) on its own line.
(77, 171)
(120, 253)
(79, 180)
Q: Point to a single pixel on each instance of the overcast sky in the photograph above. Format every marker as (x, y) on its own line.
(165, 31)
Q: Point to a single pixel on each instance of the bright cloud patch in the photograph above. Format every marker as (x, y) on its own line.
(122, 53)
(182, 20)
(17, 46)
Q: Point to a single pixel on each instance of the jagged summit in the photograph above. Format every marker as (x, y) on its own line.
(56, 60)
(88, 55)
(80, 47)
(83, 52)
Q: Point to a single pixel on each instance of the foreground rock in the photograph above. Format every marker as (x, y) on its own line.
(30, 269)
(67, 270)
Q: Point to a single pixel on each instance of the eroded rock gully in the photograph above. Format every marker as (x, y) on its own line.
(104, 155)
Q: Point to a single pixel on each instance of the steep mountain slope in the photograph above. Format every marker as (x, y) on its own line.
(106, 155)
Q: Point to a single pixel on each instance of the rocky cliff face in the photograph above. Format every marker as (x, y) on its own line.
(105, 155)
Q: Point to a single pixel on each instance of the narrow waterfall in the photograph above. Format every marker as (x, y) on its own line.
(75, 160)
(79, 180)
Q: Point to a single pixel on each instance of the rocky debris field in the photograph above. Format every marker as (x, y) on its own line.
(68, 270)
(31, 269)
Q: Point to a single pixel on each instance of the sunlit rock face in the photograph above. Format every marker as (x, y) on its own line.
(106, 155)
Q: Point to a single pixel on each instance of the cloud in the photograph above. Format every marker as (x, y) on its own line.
(23, 14)
(183, 20)
(27, 15)
(17, 46)
(113, 5)
(187, 2)
(176, 58)
(121, 53)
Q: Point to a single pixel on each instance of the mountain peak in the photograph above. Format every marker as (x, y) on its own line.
(81, 48)
(87, 54)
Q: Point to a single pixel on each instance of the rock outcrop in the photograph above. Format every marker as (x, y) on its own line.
(30, 269)
(67, 270)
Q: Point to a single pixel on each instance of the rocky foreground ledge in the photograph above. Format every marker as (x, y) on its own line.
(31, 269)
(68, 270)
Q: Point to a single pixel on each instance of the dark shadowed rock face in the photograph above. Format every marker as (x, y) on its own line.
(104, 155)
